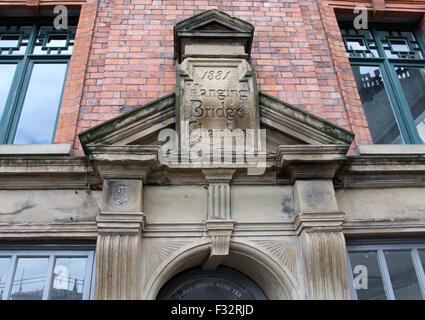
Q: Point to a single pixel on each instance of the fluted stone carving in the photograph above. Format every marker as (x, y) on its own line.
(327, 265)
(219, 201)
(219, 224)
(117, 267)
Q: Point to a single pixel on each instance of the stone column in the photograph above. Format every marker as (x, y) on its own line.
(219, 224)
(118, 252)
(319, 225)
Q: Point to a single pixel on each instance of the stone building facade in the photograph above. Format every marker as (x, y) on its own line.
(323, 197)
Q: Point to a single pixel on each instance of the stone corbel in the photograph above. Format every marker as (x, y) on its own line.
(219, 225)
(219, 231)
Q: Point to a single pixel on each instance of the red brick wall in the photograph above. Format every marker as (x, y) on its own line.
(131, 58)
(123, 57)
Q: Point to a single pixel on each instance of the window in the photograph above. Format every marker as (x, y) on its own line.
(389, 69)
(46, 274)
(33, 63)
(392, 271)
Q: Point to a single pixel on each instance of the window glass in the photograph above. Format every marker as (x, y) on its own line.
(378, 110)
(375, 287)
(413, 83)
(42, 54)
(403, 276)
(14, 40)
(7, 71)
(29, 279)
(4, 270)
(9, 40)
(68, 279)
(50, 41)
(41, 104)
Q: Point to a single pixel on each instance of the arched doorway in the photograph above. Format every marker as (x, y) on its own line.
(221, 284)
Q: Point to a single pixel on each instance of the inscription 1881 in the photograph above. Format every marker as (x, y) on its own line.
(217, 95)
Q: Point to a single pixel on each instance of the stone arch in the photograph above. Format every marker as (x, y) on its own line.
(277, 282)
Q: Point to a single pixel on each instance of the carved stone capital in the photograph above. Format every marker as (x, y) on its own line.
(120, 223)
(219, 231)
(312, 222)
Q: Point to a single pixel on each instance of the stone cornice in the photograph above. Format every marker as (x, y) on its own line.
(311, 161)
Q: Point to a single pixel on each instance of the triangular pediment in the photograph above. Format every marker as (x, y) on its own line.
(213, 20)
(285, 125)
(212, 26)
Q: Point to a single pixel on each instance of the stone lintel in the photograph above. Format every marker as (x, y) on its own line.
(39, 150)
(391, 149)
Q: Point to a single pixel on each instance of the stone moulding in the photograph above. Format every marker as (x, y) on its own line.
(132, 125)
(301, 124)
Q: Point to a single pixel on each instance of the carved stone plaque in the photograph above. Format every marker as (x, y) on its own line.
(217, 94)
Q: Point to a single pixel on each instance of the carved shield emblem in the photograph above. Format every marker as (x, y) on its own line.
(120, 195)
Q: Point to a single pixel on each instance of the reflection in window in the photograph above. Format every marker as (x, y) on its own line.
(378, 110)
(4, 270)
(68, 279)
(398, 45)
(56, 41)
(7, 71)
(403, 277)
(413, 83)
(29, 109)
(375, 289)
(30, 278)
(9, 40)
(41, 104)
(355, 44)
(47, 274)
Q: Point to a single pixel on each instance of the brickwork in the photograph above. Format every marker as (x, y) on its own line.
(123, 57)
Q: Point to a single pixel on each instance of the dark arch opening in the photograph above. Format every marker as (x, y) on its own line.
(221, 284)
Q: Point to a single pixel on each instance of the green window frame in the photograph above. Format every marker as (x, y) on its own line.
(389, 47)
(33, 42)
